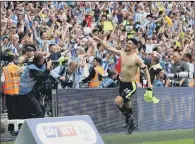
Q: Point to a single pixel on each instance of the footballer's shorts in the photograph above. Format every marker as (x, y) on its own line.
(126, 90)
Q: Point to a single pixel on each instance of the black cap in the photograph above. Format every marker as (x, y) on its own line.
(30, 48)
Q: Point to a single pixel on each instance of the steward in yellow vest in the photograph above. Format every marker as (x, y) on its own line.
(11, 83)
(96, 75)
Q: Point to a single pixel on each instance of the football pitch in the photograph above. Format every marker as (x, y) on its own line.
(155, 137)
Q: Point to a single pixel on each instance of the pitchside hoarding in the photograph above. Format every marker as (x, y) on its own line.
(174, 111)
(98, 103)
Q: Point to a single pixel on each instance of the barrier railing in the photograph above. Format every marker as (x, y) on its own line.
(174, 111)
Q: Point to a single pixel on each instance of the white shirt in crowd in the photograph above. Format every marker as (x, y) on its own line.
(149, 48)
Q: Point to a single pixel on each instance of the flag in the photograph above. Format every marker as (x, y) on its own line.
(118, 65)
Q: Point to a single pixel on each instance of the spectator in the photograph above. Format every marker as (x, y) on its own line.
(6, 44)
(61, 29)
(109, 82)
(28, 55)
(155, 64)
(188, 60)
(166, 64)
(105, 62)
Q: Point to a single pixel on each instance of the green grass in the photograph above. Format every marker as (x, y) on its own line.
(183, 141)
(156, 137)
(187, 141)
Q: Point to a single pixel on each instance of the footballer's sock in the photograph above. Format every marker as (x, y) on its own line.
(123, 109)
(130, 111)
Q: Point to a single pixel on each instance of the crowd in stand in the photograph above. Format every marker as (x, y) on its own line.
(60, 31)
(47, 45)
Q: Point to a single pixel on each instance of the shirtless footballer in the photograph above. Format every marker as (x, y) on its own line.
(127, 85)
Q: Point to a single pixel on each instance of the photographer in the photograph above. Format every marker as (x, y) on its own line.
(161, 79)
(34, 76)
(179, 66)
(66, 76)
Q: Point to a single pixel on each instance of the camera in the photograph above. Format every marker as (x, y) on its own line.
(66, 83)
(174, 83)
(181, 75)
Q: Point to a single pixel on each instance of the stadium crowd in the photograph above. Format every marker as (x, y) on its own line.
(56, 38)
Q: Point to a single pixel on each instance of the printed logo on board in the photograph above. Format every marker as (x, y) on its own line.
(59, 131)
(67, 130)
(50, 131)
(70, 132)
